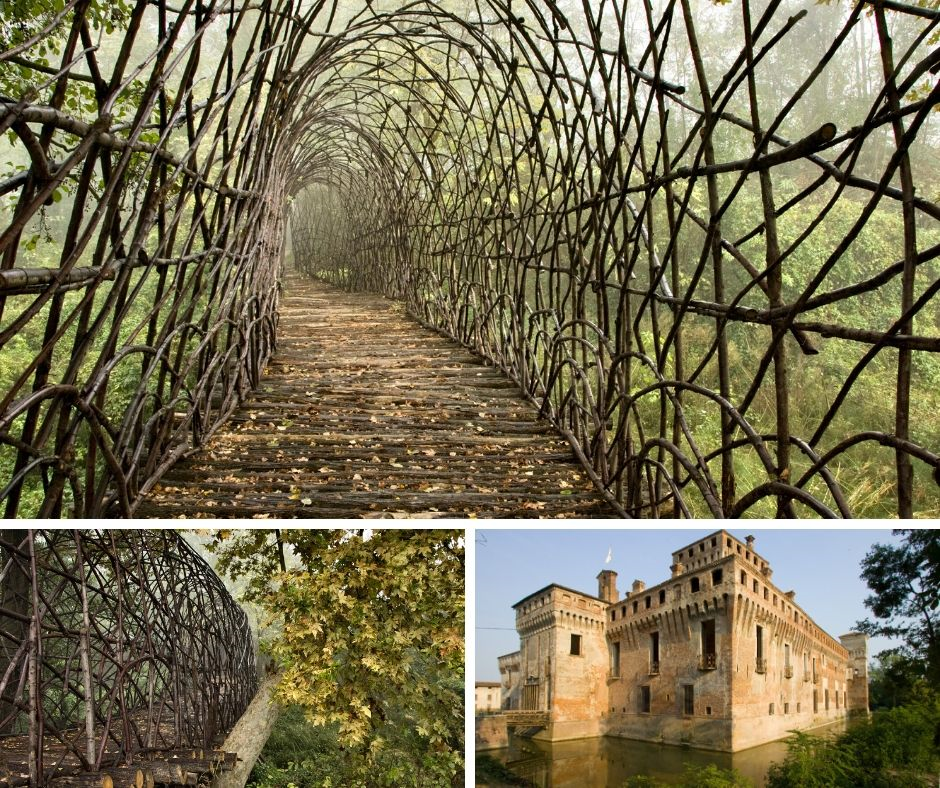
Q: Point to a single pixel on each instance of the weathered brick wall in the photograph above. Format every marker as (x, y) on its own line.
(677, 620)
(856, 643)
(570, 685)
(491, 732)
(580, 679)
(769, 704)
(510, 674)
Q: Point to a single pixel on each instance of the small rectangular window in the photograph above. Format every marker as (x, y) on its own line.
(694, 584)
(688, 699)
(576, 645)
(815, 701)
(613, 615)
(662, 596)
(709, 650)
(826, 699)
(755, 586)
(717, 577)
(786, 708)
(645, 700)
(743, 578)
(649, 602)
(636, 606)
(771, 711)
(615, 658)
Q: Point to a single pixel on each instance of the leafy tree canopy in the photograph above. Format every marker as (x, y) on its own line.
(370, 643)
(905, 584)
(893, 680)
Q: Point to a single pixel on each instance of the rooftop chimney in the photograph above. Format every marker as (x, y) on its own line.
(607, 586)
(638, 585)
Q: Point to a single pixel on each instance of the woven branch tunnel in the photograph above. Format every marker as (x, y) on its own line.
(119, 649)
(703, 238)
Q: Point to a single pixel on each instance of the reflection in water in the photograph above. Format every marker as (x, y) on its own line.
(606, 762)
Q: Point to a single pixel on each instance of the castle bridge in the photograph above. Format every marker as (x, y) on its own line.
(124, 661)
(507, 257)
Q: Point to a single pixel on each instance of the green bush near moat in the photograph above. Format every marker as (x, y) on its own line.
(897, 748)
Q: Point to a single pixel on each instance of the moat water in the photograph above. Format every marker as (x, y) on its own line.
(607, 762)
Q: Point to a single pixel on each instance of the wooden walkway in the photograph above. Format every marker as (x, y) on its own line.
(365, 413)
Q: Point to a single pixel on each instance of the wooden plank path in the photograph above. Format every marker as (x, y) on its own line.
(365, 413)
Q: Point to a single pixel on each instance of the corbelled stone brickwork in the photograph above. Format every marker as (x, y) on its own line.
(716, 656)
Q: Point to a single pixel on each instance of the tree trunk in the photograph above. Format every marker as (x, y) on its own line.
(249, 735)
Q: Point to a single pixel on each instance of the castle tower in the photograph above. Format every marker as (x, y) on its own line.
(856, 643)
(607, 586)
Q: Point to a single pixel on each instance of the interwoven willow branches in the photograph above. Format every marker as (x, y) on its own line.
(702, 238)
(115, 643)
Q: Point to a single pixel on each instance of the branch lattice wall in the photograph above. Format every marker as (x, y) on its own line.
(115, 646)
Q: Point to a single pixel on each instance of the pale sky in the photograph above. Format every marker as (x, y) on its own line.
(821, 565)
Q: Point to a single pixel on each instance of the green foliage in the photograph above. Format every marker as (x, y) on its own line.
(300, 754)
(865, 473)
(895, 749)
(905, 585)
(900, 739)
(893, 679)
(813, 762)
(370, 643)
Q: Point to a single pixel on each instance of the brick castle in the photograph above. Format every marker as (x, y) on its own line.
(715, 657)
